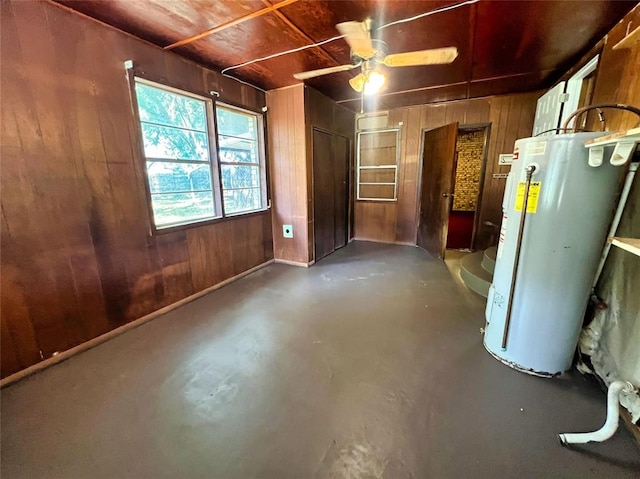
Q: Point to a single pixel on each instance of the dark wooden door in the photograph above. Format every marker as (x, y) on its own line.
(438, 161)
(341, 189)
(330, 192)
(323, 194)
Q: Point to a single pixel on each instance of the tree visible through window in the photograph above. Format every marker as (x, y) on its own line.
(240, 162)
(176, 146)
(185, 185)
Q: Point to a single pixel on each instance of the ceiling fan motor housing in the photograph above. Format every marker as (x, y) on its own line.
(380, 51)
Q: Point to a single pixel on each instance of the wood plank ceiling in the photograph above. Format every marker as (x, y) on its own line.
(504, 46)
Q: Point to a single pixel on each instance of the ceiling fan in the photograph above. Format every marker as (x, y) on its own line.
(368, 54)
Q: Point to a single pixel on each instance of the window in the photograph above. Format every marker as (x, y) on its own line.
(183, 167)
(377, 165)
(240, 159)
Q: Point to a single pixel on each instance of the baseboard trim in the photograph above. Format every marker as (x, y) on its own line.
(403, 243)
(293, 263)
(92, 343)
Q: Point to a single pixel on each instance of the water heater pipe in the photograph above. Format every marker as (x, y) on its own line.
(628, 181)
(530, 169)
(611, 424)
(580, 111)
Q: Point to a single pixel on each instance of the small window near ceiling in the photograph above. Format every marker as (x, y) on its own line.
(240, 143)
(377, 165)
(178, 155)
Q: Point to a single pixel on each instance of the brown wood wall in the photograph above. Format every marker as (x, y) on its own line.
(289, 173)
(511, 117)
(293, 112)
(617, 77)
(77, 258)
(323, 113)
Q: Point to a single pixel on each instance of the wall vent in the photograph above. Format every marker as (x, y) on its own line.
(372, 121)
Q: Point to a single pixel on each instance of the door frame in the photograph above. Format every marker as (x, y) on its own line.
(485, 156)
(483, 169)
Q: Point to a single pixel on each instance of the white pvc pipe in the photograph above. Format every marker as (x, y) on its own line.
(610, 425)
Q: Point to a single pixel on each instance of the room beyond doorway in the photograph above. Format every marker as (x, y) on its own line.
(469, 168)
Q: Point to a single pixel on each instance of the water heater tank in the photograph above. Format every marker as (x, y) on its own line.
(569, 208)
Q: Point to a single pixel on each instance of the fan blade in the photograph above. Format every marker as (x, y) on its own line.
(357, 36)
(436, 56)
(323, 71)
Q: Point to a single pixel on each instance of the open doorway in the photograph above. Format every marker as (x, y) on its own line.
(468, 174)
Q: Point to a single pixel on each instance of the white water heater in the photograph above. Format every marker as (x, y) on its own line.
(534, 317)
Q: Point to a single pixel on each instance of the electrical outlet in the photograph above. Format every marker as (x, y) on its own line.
(287, 231)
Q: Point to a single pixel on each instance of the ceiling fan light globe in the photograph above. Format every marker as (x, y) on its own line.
(357, 82)
(374, 83)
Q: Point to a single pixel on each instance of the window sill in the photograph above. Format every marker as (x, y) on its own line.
(172, 229)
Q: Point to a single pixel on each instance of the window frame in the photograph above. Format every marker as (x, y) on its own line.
(214, 155)
(262, 164)
(393, 167)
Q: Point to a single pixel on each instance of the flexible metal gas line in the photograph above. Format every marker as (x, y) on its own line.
(580, 111)
(530, 169)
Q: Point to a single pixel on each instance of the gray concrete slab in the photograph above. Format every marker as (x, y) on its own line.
(368, 365)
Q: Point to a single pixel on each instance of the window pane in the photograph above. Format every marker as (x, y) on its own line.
(174, 144)
(168, 108)
(238, 151)
(386, 192)
(236, 201)
(178, 177)
(378, 175)
(180, 208)
(240, 176)
(235, 123)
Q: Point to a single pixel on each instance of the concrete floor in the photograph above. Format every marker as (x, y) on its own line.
(368, 365)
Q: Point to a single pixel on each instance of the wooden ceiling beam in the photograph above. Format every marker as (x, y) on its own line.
(237, 21)
(291, 25)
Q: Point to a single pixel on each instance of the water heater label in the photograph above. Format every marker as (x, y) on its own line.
(534, 194)
(536, 148)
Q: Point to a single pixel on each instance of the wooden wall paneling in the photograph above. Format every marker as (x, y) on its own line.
(77, 260)
(511, 117)
(18, 341)
(407, 174)
(288, 167)
(477, 112)
(302, 173)
(456, 112)
(54, 177)
(617, 76)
